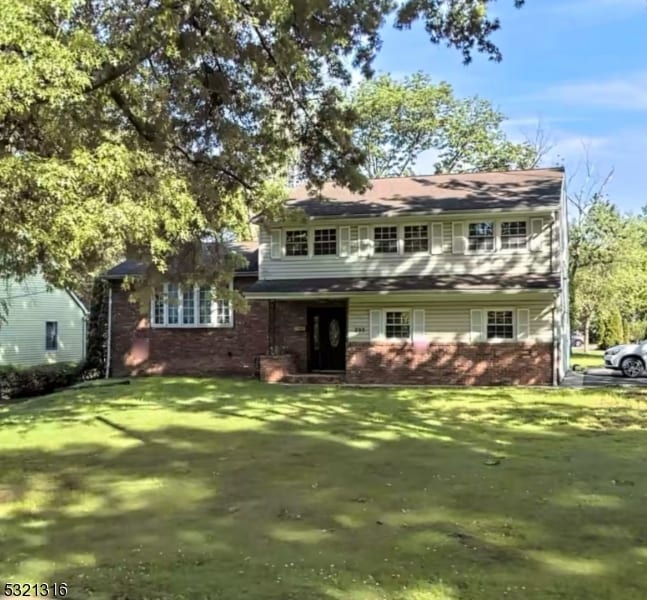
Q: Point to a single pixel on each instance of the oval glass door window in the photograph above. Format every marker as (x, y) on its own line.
(334, 332)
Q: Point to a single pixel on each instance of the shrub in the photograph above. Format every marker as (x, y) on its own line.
(22, 382)
(611, 330)
(95, 361)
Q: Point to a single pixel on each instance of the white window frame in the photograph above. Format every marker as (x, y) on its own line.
(494, 236)
(400, 310)
(499, 232)
(308, 253)
(324, 228)
(416, 252)
(196, 311)
(398, 240)
(514, 325)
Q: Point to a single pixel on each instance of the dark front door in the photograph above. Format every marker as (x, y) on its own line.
(327, 338)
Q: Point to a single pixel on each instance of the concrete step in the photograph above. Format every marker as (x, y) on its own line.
(321, 378)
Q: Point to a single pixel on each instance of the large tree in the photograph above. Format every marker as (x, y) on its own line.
(136, 127)
(398, 120)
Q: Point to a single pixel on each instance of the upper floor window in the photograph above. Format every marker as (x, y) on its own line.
(176, 307)
(500, 325)
(51, 335)
(325, 242)
(481, 236)
(416, 238)
(385, 240)
(397, 324)
(296, 242)
(514, 235)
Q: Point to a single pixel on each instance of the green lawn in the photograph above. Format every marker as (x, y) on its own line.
(593, 358)
(187, 488)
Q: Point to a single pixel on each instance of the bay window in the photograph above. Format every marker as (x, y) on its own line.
(175, 306)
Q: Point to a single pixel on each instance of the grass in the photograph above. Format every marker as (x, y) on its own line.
(187, 488)
(593, 358)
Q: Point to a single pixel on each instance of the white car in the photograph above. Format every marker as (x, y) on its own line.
(628, 358)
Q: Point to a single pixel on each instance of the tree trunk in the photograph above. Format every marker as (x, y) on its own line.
(587, 326)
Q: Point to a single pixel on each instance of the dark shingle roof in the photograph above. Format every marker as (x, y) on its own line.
(135, 268)
(429, 194)
(403, 284)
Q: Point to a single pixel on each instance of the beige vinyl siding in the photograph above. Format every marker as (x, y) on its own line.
(512, 262)
(22, 337)
(448, 321)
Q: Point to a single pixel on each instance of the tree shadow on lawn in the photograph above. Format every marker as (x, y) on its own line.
(271, 492)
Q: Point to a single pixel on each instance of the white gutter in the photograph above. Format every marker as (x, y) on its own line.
(108, 352)
(324, 295)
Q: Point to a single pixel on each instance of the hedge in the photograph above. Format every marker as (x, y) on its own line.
(22, 382)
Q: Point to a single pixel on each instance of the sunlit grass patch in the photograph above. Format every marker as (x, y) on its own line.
(204, 488)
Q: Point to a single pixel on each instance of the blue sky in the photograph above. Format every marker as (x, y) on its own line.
(577, 66)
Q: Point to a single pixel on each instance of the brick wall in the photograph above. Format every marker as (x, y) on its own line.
(450, 364)
(291, 335)
(139, 349)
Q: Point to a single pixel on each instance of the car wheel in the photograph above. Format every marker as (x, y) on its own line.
(578, 343)
(632, 367)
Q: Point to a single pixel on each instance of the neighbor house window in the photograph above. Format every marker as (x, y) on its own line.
(500, 325)
(296, 243)
(325, 242)
(481, 236)
(190, 306)
(514, 235)
(416, 238)
(51, 335)
(397, 324)
(385, 240)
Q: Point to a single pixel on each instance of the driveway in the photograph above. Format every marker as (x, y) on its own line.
(600, 377)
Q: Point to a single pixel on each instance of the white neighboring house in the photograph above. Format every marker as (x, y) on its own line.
(42, 325)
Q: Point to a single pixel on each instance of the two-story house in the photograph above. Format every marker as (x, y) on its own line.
(449, 279)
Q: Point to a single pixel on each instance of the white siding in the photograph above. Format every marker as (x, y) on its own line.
(22, 337)
(357, 264)
(448, 321)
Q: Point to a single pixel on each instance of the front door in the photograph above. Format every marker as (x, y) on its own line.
(327, 338)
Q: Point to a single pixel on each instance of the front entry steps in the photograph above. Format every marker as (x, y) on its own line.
(320, 378)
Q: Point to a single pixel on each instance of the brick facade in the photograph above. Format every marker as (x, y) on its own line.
(450, 364)
(139, 349)
(290, 331)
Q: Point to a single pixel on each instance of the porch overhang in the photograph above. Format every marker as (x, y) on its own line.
(295, 289)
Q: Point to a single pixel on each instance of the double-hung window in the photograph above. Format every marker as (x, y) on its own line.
(296, 242)
(481, 236)
(397, 324)
(416, 238)
(190, 306)
(325, 242)
(500, 325)
(385, 240)
(514, 235)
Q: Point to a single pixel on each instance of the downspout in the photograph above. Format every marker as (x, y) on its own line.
(555, 349)
(109, 349)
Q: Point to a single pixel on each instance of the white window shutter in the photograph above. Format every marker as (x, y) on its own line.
(375, 325)
(419, 325)
(364, 241)
(458, 239)
(275, 244)
(536, 238)
(344, 241)
(437, 238)
(477, 325)
(523, 324)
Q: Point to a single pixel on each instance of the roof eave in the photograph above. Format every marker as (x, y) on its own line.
(325, 294)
